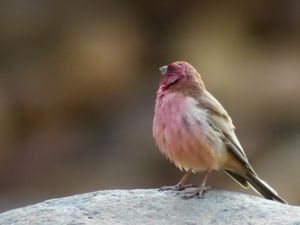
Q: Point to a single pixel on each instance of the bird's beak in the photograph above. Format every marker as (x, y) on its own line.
(163, 70)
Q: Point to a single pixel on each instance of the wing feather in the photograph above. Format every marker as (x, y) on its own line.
(220, 120)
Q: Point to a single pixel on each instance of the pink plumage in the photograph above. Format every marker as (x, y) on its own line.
(194, 131)
(178, 132)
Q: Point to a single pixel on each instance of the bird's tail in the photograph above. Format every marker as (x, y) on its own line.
(263, 188)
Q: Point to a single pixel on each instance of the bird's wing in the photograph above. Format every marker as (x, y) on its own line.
(221, 121)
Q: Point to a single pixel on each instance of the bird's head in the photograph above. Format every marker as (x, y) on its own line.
(180, 75)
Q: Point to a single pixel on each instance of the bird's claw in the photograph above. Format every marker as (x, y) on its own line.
(199, 192)
(177, 187)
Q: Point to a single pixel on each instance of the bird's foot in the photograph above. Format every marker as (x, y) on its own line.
(177, 187)
(199, 192)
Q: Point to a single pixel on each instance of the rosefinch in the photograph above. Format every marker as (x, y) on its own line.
(196, 133)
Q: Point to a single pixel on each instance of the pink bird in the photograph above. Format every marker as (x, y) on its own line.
(194, 131)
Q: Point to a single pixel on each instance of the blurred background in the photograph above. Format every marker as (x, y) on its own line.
(78, 82)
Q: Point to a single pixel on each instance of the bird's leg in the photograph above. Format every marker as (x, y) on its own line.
(181, 184)
(201, 189)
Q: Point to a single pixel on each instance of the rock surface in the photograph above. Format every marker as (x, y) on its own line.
(152, 207)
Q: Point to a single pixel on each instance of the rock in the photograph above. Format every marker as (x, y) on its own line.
(152, 207)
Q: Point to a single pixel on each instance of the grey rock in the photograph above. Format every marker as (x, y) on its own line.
(152, 207)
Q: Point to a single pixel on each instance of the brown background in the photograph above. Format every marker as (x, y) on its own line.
(78, 82)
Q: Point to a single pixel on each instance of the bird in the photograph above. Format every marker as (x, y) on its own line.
(194, 131)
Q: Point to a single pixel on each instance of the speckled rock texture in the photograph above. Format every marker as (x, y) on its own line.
(152, 207)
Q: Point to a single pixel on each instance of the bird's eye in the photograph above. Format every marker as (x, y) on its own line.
(171, 69)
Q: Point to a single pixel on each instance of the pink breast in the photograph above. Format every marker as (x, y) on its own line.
(179, 135)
